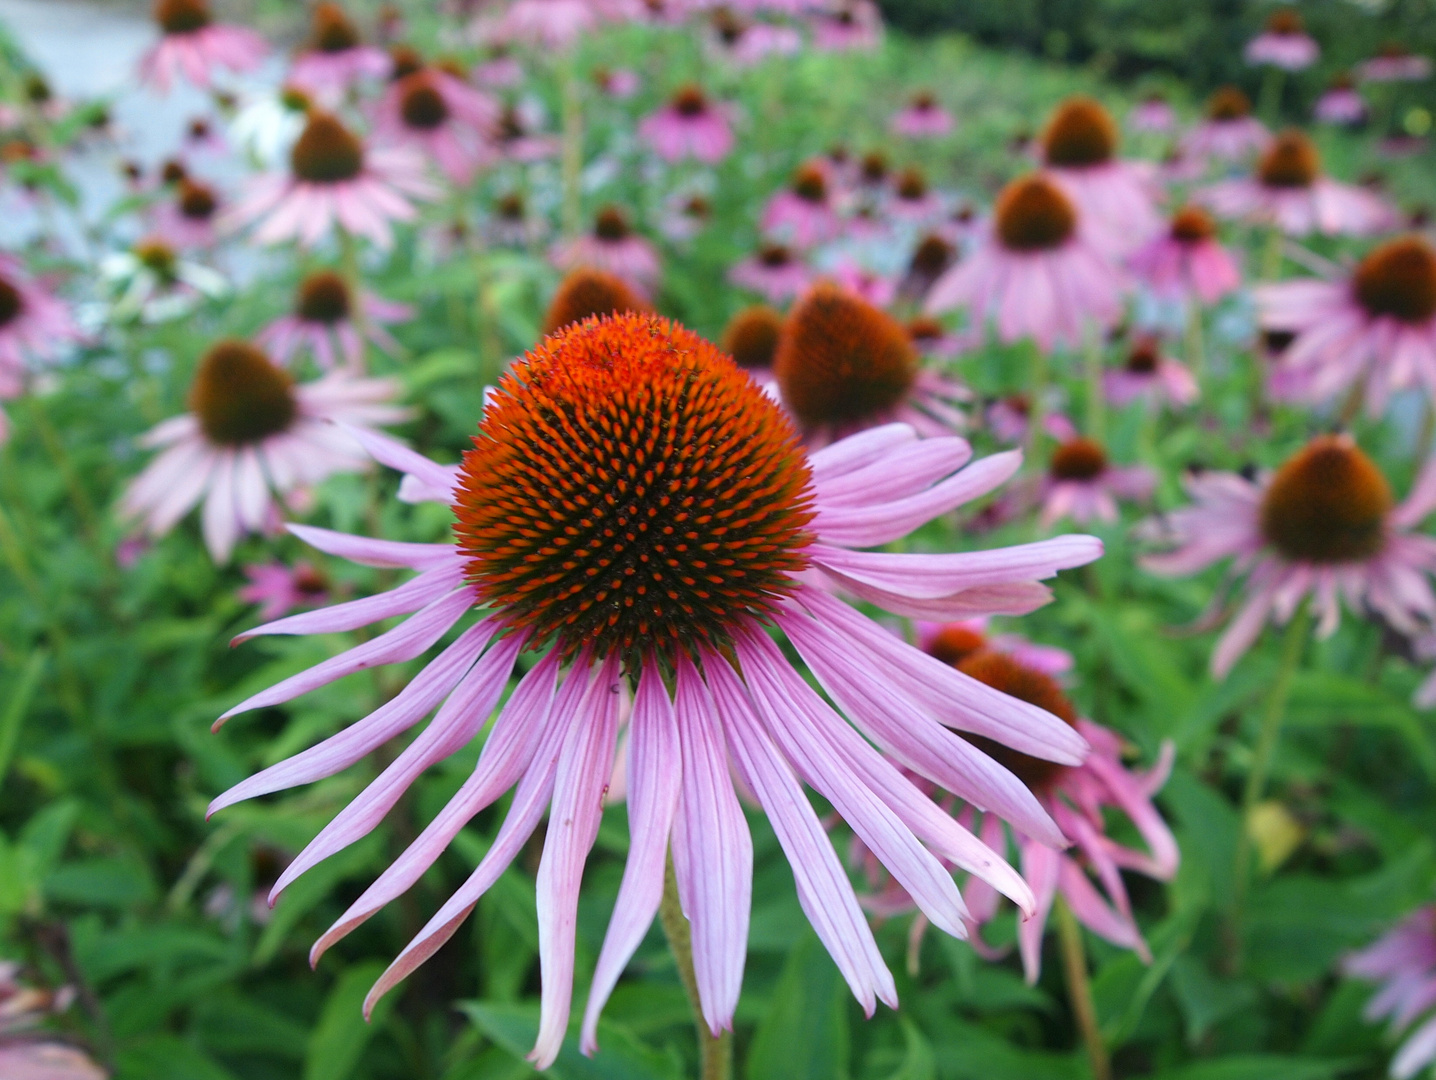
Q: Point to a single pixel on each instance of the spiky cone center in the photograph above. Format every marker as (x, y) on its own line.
(587, 292)
(157, 257)
(1032, 214)
(690, 101)
(751, 337)
(326, 152)
(1192, 225)
(199, 129)
(240, 397)
(911, 185)
(840, 360)
(1327, 504)
(631, 489)
(924, 330)
(332, 31)
(182, 16)
(1080, 134)
(729, 27)
(1393, 50)
(405, 60)
(810, 184)
(1276, 342)
(1001, 672)
(1079, 459)
(1398, 279)
(1285, 22)
(874, 167)
(1228, 103)
(172, 172)
(954, 643)
(775, 256)
(932, 256)
(12, 304)
(1144, 357)
(1342, 80)
(197, 202)
(310, 581)
(611, 225)
(421, 102)
(697, 207)
(453, 66)
(923, 101)
(1292, 161)
(510, 207)
(324, 297)
(1018, 403)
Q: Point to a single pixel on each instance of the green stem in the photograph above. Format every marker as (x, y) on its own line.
(1271, 87)
(1096, 402)
(1036, 404)
(1079, 990)
(1271, 256)
(715, 1055)
(572, 159)
(79, 497)
(349, 269)
(1196, 351)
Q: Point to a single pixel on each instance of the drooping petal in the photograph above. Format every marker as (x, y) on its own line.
(407, 598)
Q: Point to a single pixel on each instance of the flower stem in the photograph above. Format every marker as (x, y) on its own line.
(1271, 256)
(1093, 361)
(1079, 990)
(1196, 352)
(715, 1055)
(1271, 87)
(1036, 404)
(572, 160)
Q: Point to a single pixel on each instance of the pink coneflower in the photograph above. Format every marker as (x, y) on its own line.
(499, 67)
(1150, 374)
(931, 257)
(1375, 328)
(933, 340)
(187, 219)
(922, 118)
(1009, 420)
(774, 272)
(1290, 191)
(27, 1052)
(876, 288)
(1323, 525)
(847, 25)
(1187, 260)
(685, 214)
(194, 46)
(1082, 484)
(744, 42)
(612, 245)
(1114, 197)
(334, 179)
(1395, 63)
(1283, 44)
(251, 434)
(1341, 103)
(546, 24)
(1229, 131)
(954, 642)
(335, 57)
(441, 117)
(682, 418)
(517, 136)
(1033, 272)
(325, 321)
(34, 324)
(617, 83)
(842, 365)
(1403, 963)
(803, 213)
(278, 588)
(689, 126)
(1152, 114)
(912, 201)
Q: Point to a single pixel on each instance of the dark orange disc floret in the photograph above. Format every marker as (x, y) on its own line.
(323, 297)
(611, 223)
(923, 101)
(751, 337)
(172, 172)
(182, 16)
(775, 256)
(630, 488)
(874, 167)
(1144, 356)
(1285, 22)
(841, 360)
(911, 185)
(158, 257)
(1228, 103)
(932, 256)
(197, 202)
(1192, 225)
(1398, 279)
(405, 60)
(1032, 214)
(1291, 161)
(1327, 504)
(1001, 672)
(421, 103)
(810, 183)
(955, 642)
(1078, 459)
(924, 329)
(690, 100)
(239, 396)
(331, 31)
(326, 151)
(11, 303)
(586, 292)
(1081, 133)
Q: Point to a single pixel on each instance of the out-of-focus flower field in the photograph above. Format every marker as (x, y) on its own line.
(1002, 325)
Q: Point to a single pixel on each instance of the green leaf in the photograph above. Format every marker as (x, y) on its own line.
(167, 1057)
(337, 1043)
(1260, 1067)
(621, 1056)
(804, 1035)
(14, 713)
(918, 1062)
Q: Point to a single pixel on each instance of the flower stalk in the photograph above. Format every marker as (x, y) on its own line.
(715, 1055)
(1079, 990)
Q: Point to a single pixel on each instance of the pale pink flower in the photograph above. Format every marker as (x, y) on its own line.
(1152, 114)
(499, 67)
(1033, 272)
(1403, 963)
(1229, 132)
(1008, 420)
(278, 589)
(518, 137)
(1151, 375)
(440, 116)
(1323, 526)
(612, 245)
(251, 434)
(194, 46)
(1395, 63)
(334, 179)
(804, 213)
(546, 24)
(922, 118)
(762, 725)
(1283, 44)
(1081, 483)
(745, 42)
(617, 83)
(325, 322)
(1375, 328)
(774, 272)
(1290, 191)
(1187, 260)
(876, 288)
(689, 126)
(186, 220)
(1341, 103)
(846, 25)
(335, 58)
(34, 324)
(911, 201)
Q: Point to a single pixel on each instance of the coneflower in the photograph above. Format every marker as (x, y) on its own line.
(192, 44)
(587, 292)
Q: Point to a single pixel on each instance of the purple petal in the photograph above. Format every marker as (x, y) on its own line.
(366, 552)
(931, 576)
(391, 452)
(404, 600)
